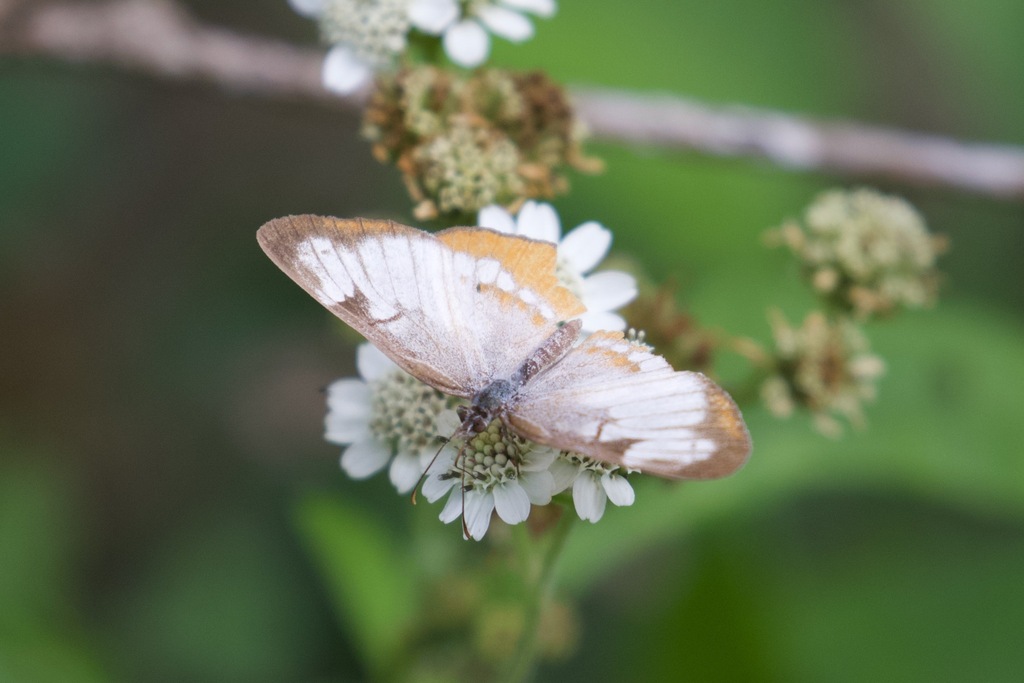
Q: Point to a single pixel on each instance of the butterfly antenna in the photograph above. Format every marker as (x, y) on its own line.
(426, 470)
(462, 484)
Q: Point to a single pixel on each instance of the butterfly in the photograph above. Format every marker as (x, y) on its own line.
(480, 315)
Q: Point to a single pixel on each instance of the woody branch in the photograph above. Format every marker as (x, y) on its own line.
(159, 38)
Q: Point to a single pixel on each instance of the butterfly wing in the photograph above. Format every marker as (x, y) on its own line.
(454, 310)
(615, 401)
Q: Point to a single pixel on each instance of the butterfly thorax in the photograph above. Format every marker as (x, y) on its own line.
(498, 398)
(494, 396)
(487, 404)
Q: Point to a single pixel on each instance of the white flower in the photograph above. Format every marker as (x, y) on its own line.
(365, 35)
(464, 31)
(493, 472)
(578, 253)
(387, 416)
(590, 491)
(593, 484)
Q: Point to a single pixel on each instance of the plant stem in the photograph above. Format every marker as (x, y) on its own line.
(522, 664)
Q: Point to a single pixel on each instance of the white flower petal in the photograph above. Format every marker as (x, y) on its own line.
(466, 43)
(511, 502)
(453, 508)
(343, 72)
(564, 474)
(364, 458)
(348, 411)
(585, 246)
(539, 486)
(618, 488)
(446, 422)
(434, 487)
(435, 484)
(608, 290)
(506, 23)
(426, 457)
(496, 218)
(372, 363)
(479, 507)
(539, 221)
(348, 394)
(433, 16)
(589, 497)
(539, 458)
(405, 472)
(602, 320)
(344, 428)
(308, 8)
(543, 8)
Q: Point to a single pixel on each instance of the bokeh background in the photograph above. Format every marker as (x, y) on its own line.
(169, 512)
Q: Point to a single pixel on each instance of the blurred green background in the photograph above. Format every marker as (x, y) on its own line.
(169, 512)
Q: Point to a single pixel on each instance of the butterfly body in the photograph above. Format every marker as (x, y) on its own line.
(480, 315)
(498, 398)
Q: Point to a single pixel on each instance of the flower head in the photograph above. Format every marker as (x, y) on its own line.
(495, 471)
(463, 26)
(866, 252)
(368, 35)
(466, 167)
(463, 142)
(823, 365)
(579, 252)
(386, 416)
(365, 35)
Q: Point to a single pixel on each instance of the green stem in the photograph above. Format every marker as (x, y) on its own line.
(522, 664)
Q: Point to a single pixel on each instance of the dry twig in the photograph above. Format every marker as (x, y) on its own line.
(159, 38)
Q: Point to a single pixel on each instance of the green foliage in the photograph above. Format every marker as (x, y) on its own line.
(41, 639)
(372, 583)
(216, 601)
(841, 587)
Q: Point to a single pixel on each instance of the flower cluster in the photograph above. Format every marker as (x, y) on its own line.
(495, 471)
(824, 365)
(463, 143)
(387, 418)
(865, 252)
(367, 36)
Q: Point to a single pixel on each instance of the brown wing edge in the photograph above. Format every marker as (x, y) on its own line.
(279, 236)
(726, 426)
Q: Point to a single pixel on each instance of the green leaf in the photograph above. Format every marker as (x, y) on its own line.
(40, 530)
(837, 588)
(37, 537)
(221, 598)
(47, 659)
(372, 581)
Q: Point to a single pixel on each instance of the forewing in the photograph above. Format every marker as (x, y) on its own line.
(615, 401)
(456, 310)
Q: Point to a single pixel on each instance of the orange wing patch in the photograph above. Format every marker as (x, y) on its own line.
(508, 300)
(603, 344)
(531, 262)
